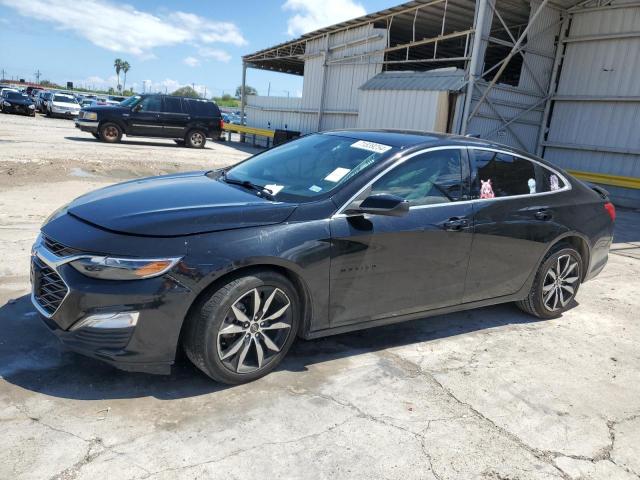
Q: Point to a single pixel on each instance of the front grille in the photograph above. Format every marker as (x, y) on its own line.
(48, 287)
(58, 248)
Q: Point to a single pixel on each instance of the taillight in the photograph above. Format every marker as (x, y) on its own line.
(611, 210)
(221, 124)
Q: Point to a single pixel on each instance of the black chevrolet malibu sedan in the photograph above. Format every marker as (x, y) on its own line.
(326, 234)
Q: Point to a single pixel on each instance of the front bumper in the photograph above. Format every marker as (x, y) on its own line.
(20, 109)
(63, 297)
(87, 125)
(65, 113)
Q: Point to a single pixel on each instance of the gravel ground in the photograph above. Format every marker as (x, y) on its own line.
(490, 393)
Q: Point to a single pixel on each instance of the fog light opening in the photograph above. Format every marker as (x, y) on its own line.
(108, 320)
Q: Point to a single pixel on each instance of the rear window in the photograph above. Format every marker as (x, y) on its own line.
(201, 107)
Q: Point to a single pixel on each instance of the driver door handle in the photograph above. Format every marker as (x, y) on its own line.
(456, 224)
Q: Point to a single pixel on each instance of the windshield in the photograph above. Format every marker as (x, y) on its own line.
(130, 101)
(63, 99)
(309, 167)
(16, 96)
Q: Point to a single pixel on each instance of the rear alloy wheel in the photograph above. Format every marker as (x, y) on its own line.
(556, 284)
(244, 329)
(196, 139)
(110, 133)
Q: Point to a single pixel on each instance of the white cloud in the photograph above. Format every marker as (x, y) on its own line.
(191, 61)
(310, 15)
(214, 54)
(122, 28)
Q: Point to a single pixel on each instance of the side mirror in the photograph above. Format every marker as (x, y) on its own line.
(381, 204)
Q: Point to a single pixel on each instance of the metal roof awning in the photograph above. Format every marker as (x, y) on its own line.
(448, 80)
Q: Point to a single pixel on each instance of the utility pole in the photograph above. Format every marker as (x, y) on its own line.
(205, 91)
(144, 86)
(37, 74)
(3, 73)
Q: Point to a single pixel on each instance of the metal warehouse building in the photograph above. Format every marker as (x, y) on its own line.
(559, 78)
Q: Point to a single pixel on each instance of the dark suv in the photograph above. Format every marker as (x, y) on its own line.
(188, 121)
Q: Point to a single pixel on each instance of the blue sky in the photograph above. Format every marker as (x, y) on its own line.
(168, 44)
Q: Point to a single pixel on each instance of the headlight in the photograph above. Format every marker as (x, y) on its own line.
(90, 116)
(6, 104)
(109, 268)
(31, 106)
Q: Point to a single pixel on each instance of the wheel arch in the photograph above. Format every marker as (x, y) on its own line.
(580, 243)
(117, 121)
(234, 272)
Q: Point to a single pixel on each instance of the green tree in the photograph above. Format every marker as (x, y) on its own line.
(117, 64)
(247, 90)
(186, 91)
(125, 68)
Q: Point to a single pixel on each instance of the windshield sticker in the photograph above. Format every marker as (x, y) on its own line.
(315, 188)
(532, 185)
(486, 190)
(371, 146)
(274, 189)
(337, 174)
(555, 183)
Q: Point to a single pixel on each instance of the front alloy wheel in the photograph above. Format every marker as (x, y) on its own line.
(244, 328)
(255, 329)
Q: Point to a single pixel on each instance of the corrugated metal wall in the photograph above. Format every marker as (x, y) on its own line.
(340, 79)
(408, 109)
(591, 131)
(508, 102)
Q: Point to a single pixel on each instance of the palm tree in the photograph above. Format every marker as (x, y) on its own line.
(118, 66)
(125, 68)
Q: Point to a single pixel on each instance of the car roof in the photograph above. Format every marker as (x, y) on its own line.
(413, 138)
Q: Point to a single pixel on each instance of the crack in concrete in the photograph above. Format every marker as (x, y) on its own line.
(547, 456)
(72, 471)
(240, 451)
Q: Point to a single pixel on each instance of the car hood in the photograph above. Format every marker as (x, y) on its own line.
(66, 104)
(106, 108)
(175, 205)
(19, 101)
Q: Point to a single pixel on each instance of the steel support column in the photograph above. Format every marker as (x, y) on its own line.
(476, 63)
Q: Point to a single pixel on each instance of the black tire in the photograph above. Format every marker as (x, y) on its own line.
(110, 132)
(179, 141)
(548, 298)
(195, 138)
(96, 135)
(207, 348)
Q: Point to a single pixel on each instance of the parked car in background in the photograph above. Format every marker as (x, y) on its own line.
(188, 121)
(15, 102)
(62, 105)
(42, 99)
(330, 233)
(8, 89)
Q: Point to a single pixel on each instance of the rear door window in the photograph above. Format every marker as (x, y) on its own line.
(172, 105)
(502, 175)
(151, 104)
